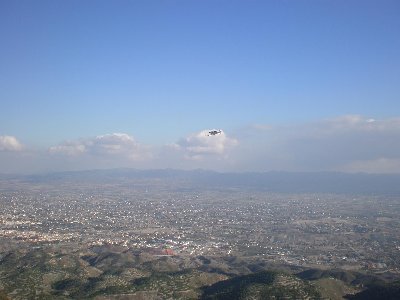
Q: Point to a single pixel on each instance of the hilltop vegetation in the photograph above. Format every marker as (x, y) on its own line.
(262, 285)
(68, 272)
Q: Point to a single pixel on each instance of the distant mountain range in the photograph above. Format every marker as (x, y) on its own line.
(291, 182)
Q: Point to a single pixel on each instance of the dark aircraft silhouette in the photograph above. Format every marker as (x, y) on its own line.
(214, 132)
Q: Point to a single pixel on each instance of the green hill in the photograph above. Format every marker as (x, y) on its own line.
(262, 285)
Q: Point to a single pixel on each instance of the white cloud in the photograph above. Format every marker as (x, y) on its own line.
(201, 144)
(9, 143)
(115, 144)
(68, 148)
(359, 123)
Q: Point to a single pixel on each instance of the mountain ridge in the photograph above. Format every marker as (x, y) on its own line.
(273, 181)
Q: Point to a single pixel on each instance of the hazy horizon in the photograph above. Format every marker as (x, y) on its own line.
(190, 170)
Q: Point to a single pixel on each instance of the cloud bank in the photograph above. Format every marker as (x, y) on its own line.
(350, 143)
(108, 145)
(204, 143)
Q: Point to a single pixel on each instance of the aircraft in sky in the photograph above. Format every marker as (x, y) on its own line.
(214, 132)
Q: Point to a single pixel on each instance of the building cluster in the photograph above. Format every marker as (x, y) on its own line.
(299, 229)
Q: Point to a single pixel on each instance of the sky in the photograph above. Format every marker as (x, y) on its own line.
(305, 85)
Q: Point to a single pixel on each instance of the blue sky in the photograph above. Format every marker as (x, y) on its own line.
(164, 71)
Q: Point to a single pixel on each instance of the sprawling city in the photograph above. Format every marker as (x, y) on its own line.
(167, 238)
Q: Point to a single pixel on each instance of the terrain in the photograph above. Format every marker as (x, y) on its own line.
(129, 234)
